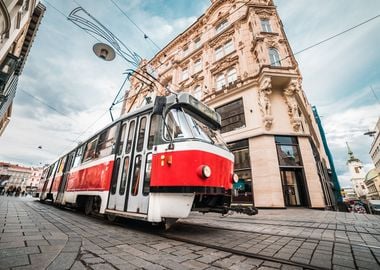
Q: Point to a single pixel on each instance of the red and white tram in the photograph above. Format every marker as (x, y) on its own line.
(157, 163)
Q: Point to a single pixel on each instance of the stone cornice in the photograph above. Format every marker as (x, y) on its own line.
(224, 63)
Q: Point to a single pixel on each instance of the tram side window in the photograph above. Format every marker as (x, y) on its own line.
(140, 139)
(153, 129)
(124, 176)
(62, 164)
(148, 169)
(89, 153)
(121, 141)
(130, 137)
(136, 176)
(78, 157)
(114, 176)
(106, 142)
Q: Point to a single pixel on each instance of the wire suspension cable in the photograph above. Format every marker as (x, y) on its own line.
(135, 24)
(92, 25)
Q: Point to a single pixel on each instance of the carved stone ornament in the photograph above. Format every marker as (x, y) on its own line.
(293, 109)
(264, 102)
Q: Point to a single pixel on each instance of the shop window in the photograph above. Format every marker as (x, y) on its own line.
(232, 115)
(242, 190)
(287, 151)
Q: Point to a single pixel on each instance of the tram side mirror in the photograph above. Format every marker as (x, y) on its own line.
(159, 105)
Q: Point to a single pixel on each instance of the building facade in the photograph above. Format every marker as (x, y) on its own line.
(348, 193)
(236, 59)
(19, 21)
(16, 176)
(372, 182)
(357, 173)
(375, 147)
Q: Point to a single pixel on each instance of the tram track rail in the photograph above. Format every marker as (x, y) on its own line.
(220, 233)
(258, 222)
(240, 252)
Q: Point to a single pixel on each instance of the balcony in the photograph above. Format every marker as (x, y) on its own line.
(7, 69)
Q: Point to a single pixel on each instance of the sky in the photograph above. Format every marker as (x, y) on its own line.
(65, 91)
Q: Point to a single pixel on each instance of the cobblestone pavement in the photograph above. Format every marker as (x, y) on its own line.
(40, 236)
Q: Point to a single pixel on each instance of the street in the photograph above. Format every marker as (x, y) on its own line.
(41, 236)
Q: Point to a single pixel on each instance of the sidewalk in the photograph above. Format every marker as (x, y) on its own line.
(30, 241)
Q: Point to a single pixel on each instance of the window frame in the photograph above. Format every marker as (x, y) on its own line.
(274, 57)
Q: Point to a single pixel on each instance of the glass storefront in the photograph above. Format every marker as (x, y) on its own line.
(242, 190)
(291, 170)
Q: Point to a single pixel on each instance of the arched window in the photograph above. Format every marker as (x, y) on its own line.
(231, 75)
(274, 57)
(220, 81)
(197, 92)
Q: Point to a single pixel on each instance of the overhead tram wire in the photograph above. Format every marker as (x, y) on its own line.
(47, 105)
(63, 14)
(329, 38)
(135, 24)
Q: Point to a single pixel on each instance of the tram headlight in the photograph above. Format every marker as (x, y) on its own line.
(235, 178)
(204, 171)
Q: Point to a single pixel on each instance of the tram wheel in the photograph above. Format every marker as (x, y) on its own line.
(88, 206)
(111, 217)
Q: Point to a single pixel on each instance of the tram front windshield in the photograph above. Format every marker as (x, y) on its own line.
(182, 126)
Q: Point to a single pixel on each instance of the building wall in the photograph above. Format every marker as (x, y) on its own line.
(274, 102)
(19, 20)
(20, 176)
(375, 147)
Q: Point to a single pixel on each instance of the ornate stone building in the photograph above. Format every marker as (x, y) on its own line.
(236, 58)
(19, 21)
(375, 147)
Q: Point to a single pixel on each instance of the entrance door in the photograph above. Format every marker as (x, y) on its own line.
(65, 174)
(137, 201)
(126, 192)
(121, 169)
(293, 187)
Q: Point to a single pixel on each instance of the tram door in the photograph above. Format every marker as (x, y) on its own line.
(65, 174)
(126, 186)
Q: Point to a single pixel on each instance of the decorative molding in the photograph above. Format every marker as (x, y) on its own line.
(264, 102)
(289, 94)
(224, 63)
(222, 38)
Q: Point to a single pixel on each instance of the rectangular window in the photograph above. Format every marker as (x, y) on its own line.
(140, 138)
(287, 151)
(131, 131)
(219, 53)
(185, 51)
(185, 74)
(90, 149)
(228, 47)
(265, 25)
(153, 130)
(106, 142)
(232, 115)
(197, 43)
(197, 66)
(242, 190)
